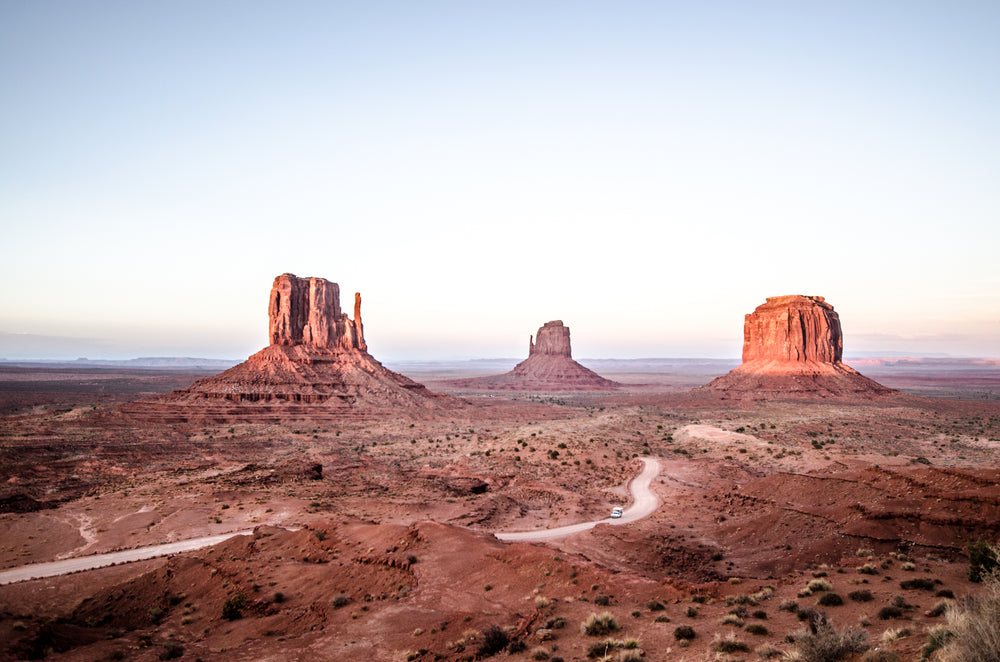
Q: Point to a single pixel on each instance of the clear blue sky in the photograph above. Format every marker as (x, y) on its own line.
(648, 172)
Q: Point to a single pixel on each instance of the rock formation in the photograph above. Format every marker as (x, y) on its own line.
(317, 365)
(549, 367)
(793, 345)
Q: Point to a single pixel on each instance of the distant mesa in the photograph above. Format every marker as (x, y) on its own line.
(793, 345)
(549, 367)
(317, 364)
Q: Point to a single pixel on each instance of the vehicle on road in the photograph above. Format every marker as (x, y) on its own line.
(617, 512)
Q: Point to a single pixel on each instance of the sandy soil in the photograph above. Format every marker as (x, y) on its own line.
(392, 555)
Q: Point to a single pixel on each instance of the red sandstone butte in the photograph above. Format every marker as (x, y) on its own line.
(549, 367)
(793, 345)
(316, 365)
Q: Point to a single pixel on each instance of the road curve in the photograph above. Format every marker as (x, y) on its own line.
(54, 568)
(643, 505)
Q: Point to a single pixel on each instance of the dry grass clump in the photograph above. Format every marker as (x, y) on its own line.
(822, 642)
(729, 644)
(972, 633)
(598, 625)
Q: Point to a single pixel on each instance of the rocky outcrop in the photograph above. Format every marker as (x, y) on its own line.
(316, 366)
(549, 367)
(793, 345)
(793, 328)
(553, 340)
(306, 311)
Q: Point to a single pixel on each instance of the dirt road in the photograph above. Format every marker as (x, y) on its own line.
(54, 568)
(644, 503)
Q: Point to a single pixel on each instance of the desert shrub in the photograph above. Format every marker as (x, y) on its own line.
(868, 569)
(662, 619)
(494, 641)
(918, 583)
(861, 595)
(983, 560)
(701, 599)
(732, 619)
(759, 614)
(830, 600)
(602, 648)
(756, 628)
(767, 651)
(789, 605)
(807, 614)
(598, 625)
(936, 639)
(232, 609)
(741, 599)
(974, 628)
(729, 644)
(890, 611)
(881, 655)
(556, 623)
(539, 654)
(685, 632)
(155, 614)
(655, 605)
(819, 585)
(515, 646)
(630, 656)
(602, 600)
(172, 651)
(908, 566)
(822, 642)
(340, 601)
(938, 609)
(945, 593)
(279, 597)
(692, 612)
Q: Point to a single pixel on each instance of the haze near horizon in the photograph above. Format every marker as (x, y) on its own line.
(646, 172)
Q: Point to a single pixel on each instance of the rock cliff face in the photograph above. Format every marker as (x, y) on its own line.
(793, 328)
(306, 311)
(793, 345)
(549, 367)
(316, 366)
(553, 340)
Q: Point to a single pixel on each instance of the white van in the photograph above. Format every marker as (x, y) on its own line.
(617, 512)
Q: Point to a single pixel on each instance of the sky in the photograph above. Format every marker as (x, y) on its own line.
(647, 172)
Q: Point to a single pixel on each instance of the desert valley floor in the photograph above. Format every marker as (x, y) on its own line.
(373, 537)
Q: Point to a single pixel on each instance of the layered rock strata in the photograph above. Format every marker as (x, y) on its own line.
(316, 365)
(793, 345)
(549, 367)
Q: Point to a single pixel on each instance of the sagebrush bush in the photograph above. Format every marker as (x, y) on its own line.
(233, 607)
(819, 585)
(495, 639)
(983, 560)
(919, 583)
(861, 595)
(830, 600)
(685, 632)
(729, 644)
(756, 628)
(822, 642)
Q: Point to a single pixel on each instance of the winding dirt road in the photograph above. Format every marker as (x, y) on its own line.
(64, 567)
(644, 503)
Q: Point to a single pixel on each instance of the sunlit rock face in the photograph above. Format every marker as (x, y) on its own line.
(793, 345)
(306, 311)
